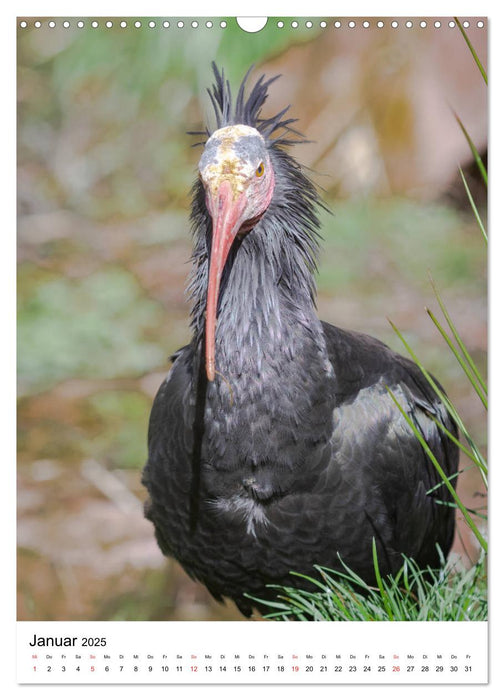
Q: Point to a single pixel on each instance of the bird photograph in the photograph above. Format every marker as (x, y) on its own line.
(273, 443)
(252, 321)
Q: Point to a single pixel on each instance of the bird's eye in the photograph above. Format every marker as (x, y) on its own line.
(260, 170)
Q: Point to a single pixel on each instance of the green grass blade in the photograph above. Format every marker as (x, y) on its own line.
(459, 359)
(441, 473)
(351, 576)
(385, 599)
(473, 452)
(457, 337)
(442, 396)
(474, 150)
(475, 457)
(472, 50)
(473, 206)
(473, 511)
(453, 477)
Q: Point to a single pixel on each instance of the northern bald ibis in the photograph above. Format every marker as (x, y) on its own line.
(274, 444)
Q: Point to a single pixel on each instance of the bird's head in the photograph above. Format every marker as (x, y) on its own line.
(237, 174)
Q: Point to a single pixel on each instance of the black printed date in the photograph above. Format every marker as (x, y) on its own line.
(94, 641)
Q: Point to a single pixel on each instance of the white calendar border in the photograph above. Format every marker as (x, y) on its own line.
(309, 653)
(223, 7)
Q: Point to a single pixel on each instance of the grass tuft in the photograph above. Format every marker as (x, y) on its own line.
(413, 594)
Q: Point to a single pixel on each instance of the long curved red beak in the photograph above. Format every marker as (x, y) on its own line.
(227, 214)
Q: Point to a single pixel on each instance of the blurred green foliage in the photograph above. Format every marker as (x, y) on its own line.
(64, 329)
(119, 435)
(369, 243)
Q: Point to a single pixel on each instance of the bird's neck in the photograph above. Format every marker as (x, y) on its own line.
(267, 327)
(264, 319)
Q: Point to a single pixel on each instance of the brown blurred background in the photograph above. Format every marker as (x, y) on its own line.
(104, 170)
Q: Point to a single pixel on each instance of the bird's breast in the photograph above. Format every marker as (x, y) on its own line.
(258, 458)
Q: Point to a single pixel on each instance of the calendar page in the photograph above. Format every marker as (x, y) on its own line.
(252, 338)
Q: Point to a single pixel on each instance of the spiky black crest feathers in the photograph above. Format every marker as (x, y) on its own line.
(247, 111)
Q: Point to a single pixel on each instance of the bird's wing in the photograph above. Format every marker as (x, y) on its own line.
(170, 445)
(404, 487)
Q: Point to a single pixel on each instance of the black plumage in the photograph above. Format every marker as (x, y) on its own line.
(274, 444)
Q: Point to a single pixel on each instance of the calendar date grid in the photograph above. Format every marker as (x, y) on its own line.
(195, 665)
